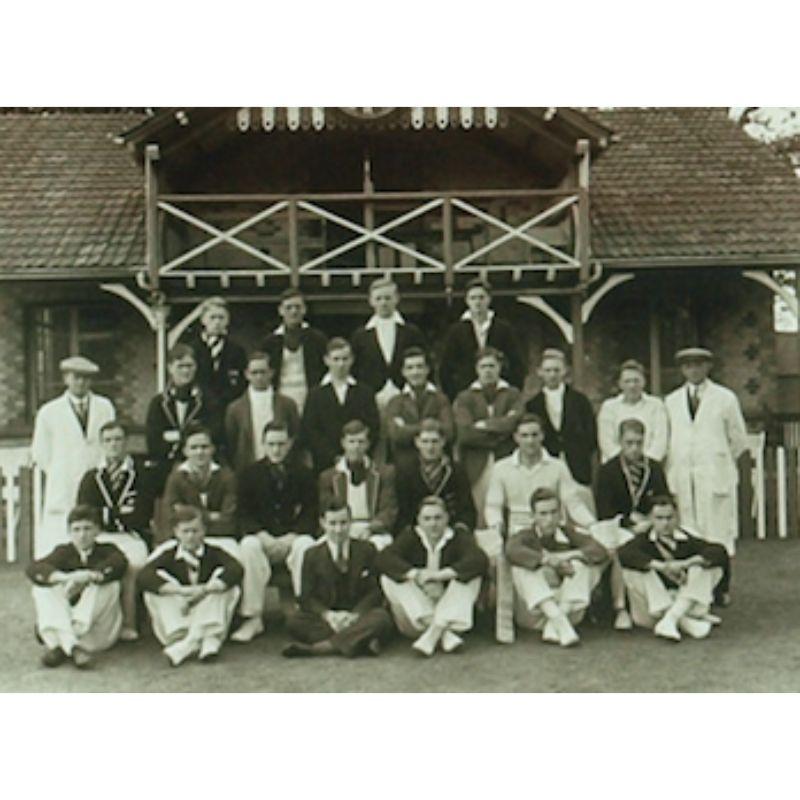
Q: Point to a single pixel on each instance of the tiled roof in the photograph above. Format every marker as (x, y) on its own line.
(674, 184)
(69, 196)
(683, 183)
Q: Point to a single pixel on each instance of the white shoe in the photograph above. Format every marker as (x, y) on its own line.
(567, 637)
(210, 647)
(623, 622)
(425, 644)
(709, 617)
(178, 652)
(667, 629)
(696, 628)
(248, 631)
(128, 635)
(549, 633)
(451, 642)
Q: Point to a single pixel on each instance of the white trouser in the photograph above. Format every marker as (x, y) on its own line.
(94, 622)
(254, 581)
(650, 598)
(414, 611)
(135, 551)
(173, 621)
(572, 593)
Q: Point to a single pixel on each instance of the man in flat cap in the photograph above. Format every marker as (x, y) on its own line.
(66, 445)
(707, 436)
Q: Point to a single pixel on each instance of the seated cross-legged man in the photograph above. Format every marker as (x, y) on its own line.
(76, 593)
(554, 570)
(191, 589)
(123, 491)
(670, 575)
(433, 472)
(624, 488)
(277, 515)
(341, 606)
(431, 576)
(201, 482)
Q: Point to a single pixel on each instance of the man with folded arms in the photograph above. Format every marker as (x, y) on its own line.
(670, 575)
(554, 570)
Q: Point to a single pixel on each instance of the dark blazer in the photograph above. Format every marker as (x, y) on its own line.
(453, 488)
(435, 405)
(457, 366)
(219, 494)
(105, 558)
(370, 366)
(577, 438)
(407, 552)
(224, 384)
(239, 427)
(325, 588)
(324, 417)
(476, 444)
(286, 507)
(130, 509)
(163, 432)
(641, 550)
(381, 496)
(213, 558)
(314, 343)
(613, 496)
(526, 548)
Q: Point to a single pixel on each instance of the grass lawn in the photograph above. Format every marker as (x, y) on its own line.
(757, 648)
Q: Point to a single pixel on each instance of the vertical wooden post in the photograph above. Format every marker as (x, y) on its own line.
(447, 245)
(577, 337)
(655, 347)
(294, 250)
(153, 256)
(369, 212)
(584, 253)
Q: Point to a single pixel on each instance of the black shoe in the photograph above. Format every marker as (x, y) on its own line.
(81, 659)
(53, 658)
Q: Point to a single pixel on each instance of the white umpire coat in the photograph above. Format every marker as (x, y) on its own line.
(65, 453)
(701, 461)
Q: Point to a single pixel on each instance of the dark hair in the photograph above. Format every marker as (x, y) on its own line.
(662, 500)
(542, 494)
(288, 294)
(432, 500)
(489, 352)
(186, 513)
(415, 352)
(333, 504)
(259, 355)
(180, 351)
(275, 427)
(192, 429)
(528, 418)
(338, 343)
(478, 283)
(354, 428)
(431, 425)
(632, 363)
(84, 513)
(635, 425)
(111, 425)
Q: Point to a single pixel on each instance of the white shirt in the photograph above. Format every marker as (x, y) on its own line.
(340, 389)
(554, 403)
(649, 410)
(262, 412)
(293, 381)
(481, 328)
(386, 331)
(434, 553)
(333, 547)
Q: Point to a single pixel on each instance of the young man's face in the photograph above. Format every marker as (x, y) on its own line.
(478, 301)
(355, 446)
(114, 444)
(339, 362)
(82, 534)
(433, 520)
(190, 534)
(416, 371)
(664, 519)
(631, 444)
(215, 321)
(259, 374)
(292, 312)
(384, 301)
(546, 515)
(488, 370)
(198, 450)
(696, 370)
(430, 445)
(77, 383)
(336, 525)
(529, 438)
(182, 371)
(552, 372)
(631, 383)
(276, 446)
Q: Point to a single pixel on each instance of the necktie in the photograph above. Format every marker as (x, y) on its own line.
(419, 397)
(490, 393)
(341, 561)
(291, 339)
(634, 472)
(694, 400)
(431, 472)
(215, 345)
(116, 477)
(278, 474)
(358, 472)
(81, 412)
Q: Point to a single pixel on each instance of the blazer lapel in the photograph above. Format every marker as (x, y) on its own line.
(247, 422)
(373, 484)
(165, 407)
(195, 408)
(340, 485)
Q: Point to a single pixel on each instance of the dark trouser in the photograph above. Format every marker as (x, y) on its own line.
(311, 628)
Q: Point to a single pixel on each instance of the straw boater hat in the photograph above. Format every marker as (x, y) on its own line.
(693, 354)
(79, 365)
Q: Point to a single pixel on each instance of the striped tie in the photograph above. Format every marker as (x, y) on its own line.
(116, 477)
(215, 345)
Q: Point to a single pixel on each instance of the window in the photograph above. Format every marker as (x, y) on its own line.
(56, 332)
(784, 321)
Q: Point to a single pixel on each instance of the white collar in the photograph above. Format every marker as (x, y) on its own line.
(555, 392)
(375, 320)
(700, 387)
(341, 465)
(446, 537)
(256, 393)
(77, 400)
(182, 554)
(429, 387)
(281, 329)
(351, 381)
(501, 384)
(206, 336)
(187, 467)
(467, 315)
(545, 459)
(127, 463)
(345, 548)
(678, 535)
(640, 401)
